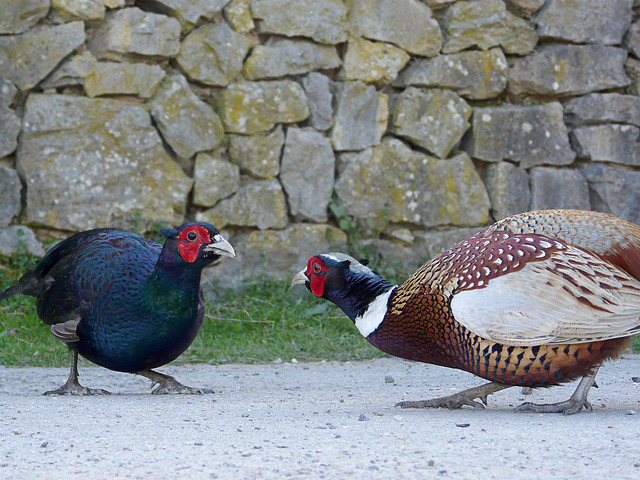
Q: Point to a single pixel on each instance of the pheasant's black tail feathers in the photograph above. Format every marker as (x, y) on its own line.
(27, 285)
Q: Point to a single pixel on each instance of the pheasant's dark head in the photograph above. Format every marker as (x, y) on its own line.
(343, 280)
(197, 243)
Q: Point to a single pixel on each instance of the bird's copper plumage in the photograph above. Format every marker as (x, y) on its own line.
(536, 299)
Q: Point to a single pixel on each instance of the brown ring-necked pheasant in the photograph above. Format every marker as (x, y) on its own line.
(534, 300)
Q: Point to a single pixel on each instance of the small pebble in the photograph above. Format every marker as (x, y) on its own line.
(44, 445)
(635, 379)
(462, 425)
(631, 412)
(277, 361)
(294, 360)
(388, 379)
(363, 418)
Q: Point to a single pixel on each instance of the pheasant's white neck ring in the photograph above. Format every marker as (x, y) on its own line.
(373, 316)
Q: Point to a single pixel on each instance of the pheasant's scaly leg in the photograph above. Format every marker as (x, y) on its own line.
(73, 387)
(568, 407)
(457, 400)
(168, 384)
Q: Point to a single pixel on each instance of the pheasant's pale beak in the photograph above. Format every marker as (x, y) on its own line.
(220, 247)
(300, 278)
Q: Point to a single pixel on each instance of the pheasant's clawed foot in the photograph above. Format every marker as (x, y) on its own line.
(74, 388)
(169, 385)
(458, 400)
(452, 402)
(568, 407)
(577, 402)
(165, 388)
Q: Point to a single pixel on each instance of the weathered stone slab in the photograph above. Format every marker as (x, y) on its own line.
(422, 190)
(320, 98)
(187, 123)
(131, 32)
(20, 16)
(632, 39)
(253, 107)
(307, 173)
(325, 21)
(10, 126)
(238, 14)
(528, 7)
(360, 116)
(10, 188)
(258, 155)
(476, 75)
(558, 188)
(188, 12)
(27, 58)
(256, 204)
(215, 179)
(608, 143)
(96, 162)
(603, 107)
(213, 54)
(286, 250)
(434, 242)
(85, 10)
(508, 188)
(531, 135)
(438, 3)
(614, 190)
(486, 24)
(596, 21)
(568, 70)
(18, 237)
(109, 78)
(72, 71)
(373, 62)
(8, 92)
(410, 26)
(632, 68)
(430, 118)
(281, 57)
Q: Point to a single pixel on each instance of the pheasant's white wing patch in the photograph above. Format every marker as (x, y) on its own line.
(374, 315)
(570, 297)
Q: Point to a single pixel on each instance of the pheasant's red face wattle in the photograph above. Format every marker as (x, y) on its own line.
(316, 272)
(190, 240)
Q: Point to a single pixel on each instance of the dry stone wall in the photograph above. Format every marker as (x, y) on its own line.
(408, 123)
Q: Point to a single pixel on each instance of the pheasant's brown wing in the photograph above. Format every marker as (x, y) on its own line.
(569, 297)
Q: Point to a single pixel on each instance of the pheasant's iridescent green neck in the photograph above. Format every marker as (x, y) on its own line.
(173, 288)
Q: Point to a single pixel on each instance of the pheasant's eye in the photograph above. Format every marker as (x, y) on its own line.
(191, 236)
(317, 268)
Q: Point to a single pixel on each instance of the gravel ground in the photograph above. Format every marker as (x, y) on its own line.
(320, 420)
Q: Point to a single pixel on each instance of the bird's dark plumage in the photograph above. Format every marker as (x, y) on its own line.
(534, 300)
(122, 301)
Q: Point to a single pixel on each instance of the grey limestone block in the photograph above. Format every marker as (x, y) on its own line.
(558, 188)
(531, 135)
(10, 199)
(568, 70)
(96, 162)
(307, 173)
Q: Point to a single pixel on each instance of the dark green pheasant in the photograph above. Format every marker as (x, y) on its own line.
(124, 302)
